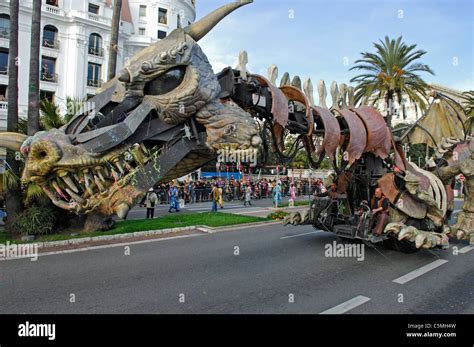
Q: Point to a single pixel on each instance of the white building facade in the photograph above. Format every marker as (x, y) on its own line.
(75, 39)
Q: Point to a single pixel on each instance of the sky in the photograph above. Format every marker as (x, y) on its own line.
(322, 39)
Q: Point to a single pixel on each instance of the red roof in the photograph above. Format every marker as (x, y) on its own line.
(126, 14)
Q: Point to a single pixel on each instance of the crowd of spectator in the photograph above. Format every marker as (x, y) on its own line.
(232, 189)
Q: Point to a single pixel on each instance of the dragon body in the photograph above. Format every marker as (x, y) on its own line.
(167, 114)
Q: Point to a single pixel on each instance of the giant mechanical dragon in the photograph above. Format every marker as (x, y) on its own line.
(167, 114)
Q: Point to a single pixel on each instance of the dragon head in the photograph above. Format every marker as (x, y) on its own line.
(160, 118)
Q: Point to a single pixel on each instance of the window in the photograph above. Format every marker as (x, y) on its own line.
(163, 16)
(93, 9)
(178, 21)
(50, 34)
(54, 3)
(3, 61)
(4, 26)
(48, 69)
(142, 12)
(141, 31)
(95, 45)
(3, 92)
(161, 34)
(46, 95)
(93, 75)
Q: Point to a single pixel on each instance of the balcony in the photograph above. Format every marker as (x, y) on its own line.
(3, 105)
(94, 83)
(97, 52)
(51, 44)
(53, 10)
(49, 77)
(99, 19)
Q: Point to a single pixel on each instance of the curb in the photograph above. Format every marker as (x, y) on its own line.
(148, 233)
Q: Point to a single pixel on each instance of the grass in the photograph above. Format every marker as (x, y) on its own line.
(210, 219)
(296, 203)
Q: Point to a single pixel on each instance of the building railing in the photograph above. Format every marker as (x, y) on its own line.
(51, 44)
(94, 83)
(100, 19)
(49, 77)
(3, 105)
(53, 10)
(98, 52)
(4, 34)
(4, 70)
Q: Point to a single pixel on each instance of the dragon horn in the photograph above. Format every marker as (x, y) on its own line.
(200, 28)
(12, 141)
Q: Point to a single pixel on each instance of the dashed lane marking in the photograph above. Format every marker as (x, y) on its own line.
(421, 271)
(466, 249)
(348, 305)
(290, 236)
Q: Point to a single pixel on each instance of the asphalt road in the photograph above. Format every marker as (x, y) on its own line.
(277, 269)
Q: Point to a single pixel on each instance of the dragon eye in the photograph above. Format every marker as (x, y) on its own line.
(166, 82)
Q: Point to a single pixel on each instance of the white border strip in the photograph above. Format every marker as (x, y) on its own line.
(84, 249)
(421, 271)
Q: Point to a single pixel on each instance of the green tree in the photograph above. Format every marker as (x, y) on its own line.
(392, 71)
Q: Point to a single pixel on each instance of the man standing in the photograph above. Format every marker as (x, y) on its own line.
(248, 195)
(215, 197)
(150, 202)
(379, 205)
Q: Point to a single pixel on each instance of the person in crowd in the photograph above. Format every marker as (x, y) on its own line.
(379, 205)
(215, 197)
(221, 195)
(292, 192)
(173, 195)
(150, 202)
(248, 195)
(277, 194)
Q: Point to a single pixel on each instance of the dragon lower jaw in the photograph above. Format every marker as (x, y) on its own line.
(104, 187)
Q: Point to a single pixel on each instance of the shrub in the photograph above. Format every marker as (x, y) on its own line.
(35, 221)
(278, 215)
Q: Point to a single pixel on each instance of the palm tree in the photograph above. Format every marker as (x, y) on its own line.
(113, 49)
(391, 72)
(13, 192)
(468, 102)
(33, 93)
(469, 110)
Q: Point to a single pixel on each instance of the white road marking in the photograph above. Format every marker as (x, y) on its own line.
(466, 249)
(421, 271)
(67, 251)
(347, 306)
(311, 232)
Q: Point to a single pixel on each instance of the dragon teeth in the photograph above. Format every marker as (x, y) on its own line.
(99, 184)
(98, 171)
(69, 182)
(76, 197)
(115, 175)
(119, 166)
